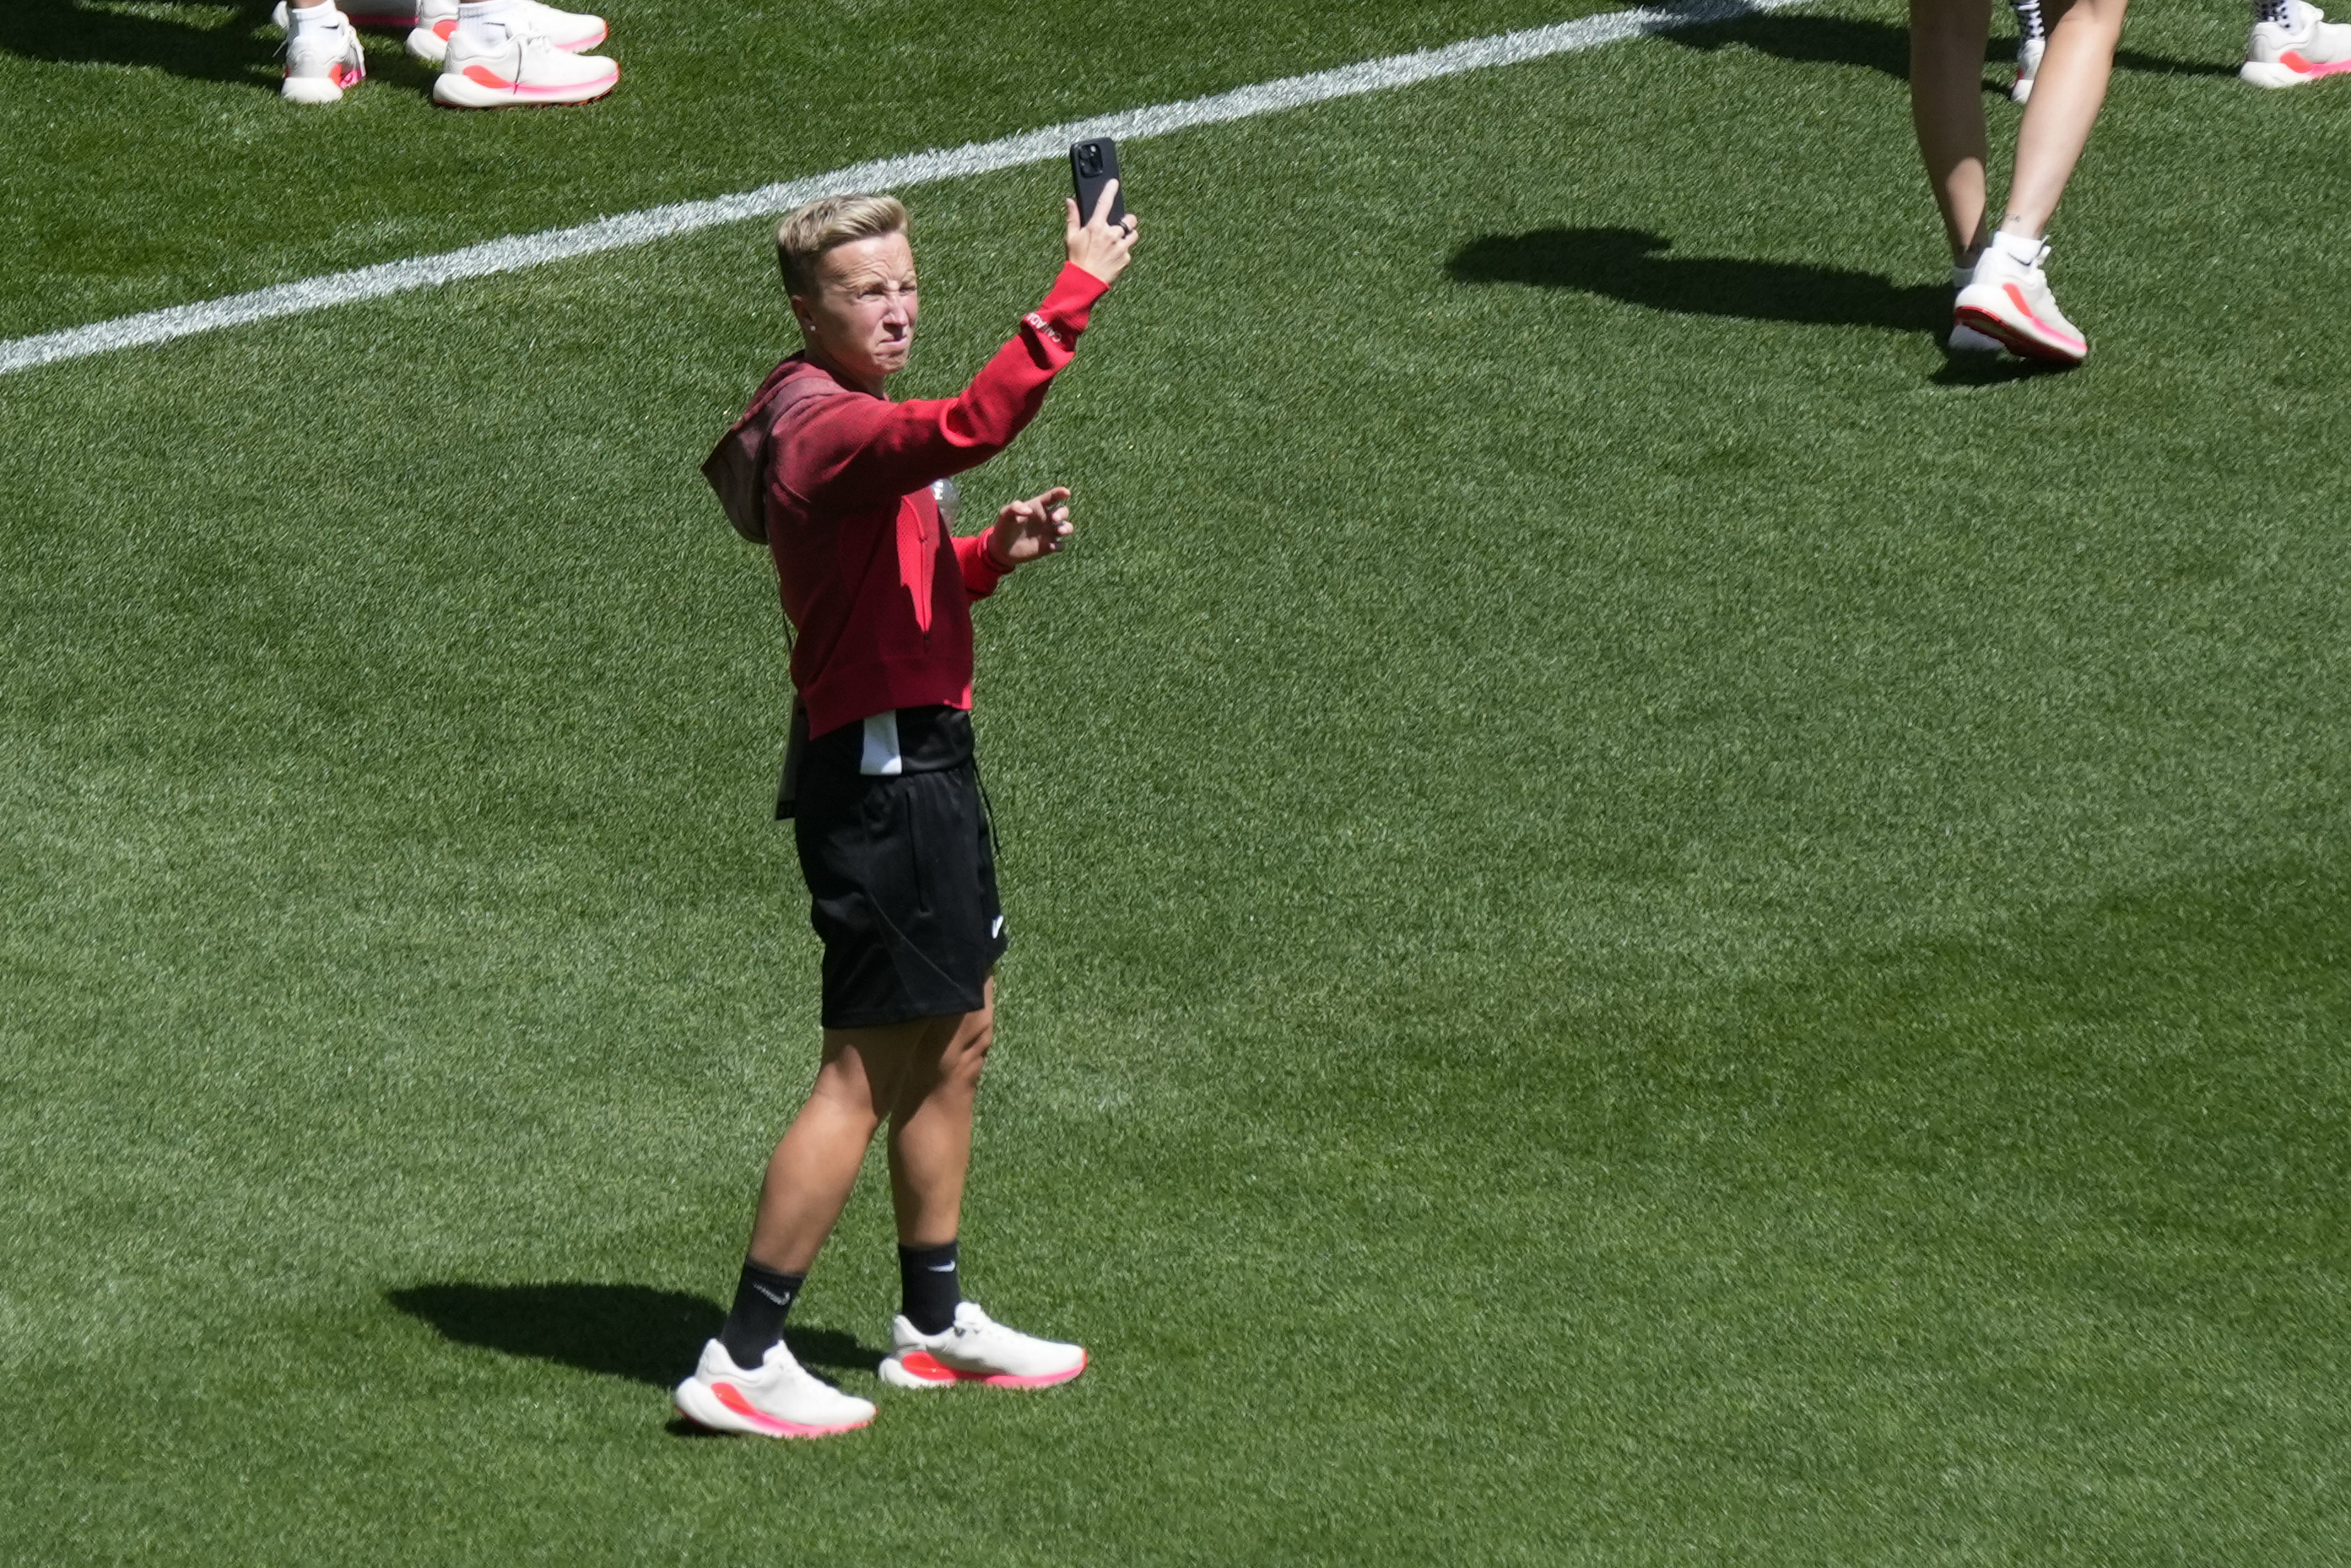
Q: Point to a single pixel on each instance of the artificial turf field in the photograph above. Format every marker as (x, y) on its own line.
(1650, 926)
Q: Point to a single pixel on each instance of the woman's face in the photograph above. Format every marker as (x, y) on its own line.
(860, 318)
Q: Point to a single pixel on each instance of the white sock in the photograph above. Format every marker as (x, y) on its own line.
(2018, 247)
(485, 20)
(312, 18)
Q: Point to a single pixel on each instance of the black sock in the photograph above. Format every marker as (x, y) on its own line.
(928, 1287)
(762, 1297)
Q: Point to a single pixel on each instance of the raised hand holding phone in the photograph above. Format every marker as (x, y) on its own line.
(1100, 233)
(1093, 163)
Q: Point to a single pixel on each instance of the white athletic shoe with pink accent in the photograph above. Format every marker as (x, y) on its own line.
(1964, 338)
(2028, 65)
(570, 31)
(323, 60)
(781, 1399)
(494, 67)
(975, 1348)
(2009, 299)
(2306, 48)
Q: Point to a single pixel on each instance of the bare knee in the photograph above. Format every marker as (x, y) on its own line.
(841, 1102)
(965, 1056)
(2104, 15)
(863, 1072)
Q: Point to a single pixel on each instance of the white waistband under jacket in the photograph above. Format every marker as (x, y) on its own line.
(880, 757)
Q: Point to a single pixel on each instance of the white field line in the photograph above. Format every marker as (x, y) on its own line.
(517, 252)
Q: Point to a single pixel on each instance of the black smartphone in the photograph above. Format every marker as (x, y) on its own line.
(1093, 165)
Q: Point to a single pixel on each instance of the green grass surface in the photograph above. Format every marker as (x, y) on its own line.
(1650, 927)
(151, 161)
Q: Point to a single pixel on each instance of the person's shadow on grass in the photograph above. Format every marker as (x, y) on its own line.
(180, 39)
(1876, 45)
(634, 1331)
(1631, 265)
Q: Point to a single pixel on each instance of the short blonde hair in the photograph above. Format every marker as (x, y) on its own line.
(827, 222)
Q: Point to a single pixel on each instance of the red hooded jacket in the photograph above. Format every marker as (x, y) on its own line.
(880, 593)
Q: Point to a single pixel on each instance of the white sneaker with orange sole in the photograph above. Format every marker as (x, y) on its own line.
(2304, 48)
(323, 59)
(781, 1399)
(975, 1348)
(570, 31)
(494, 67)
(2009, 299)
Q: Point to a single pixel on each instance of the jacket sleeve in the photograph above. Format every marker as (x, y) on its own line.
(853, 453)
(980, 572)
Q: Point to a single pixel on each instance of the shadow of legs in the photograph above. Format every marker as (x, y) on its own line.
(244, 50)
(1631, 265)
(621, 1330)
(1992, 370)
(1882, 47)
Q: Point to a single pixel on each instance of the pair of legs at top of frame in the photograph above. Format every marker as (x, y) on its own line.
(2292, 43)
(493, 54)
(2002, 299)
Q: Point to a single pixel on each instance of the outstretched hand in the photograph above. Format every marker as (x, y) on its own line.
(1097, 244)
(1027, 529)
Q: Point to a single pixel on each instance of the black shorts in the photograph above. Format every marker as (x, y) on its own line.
(900, 873)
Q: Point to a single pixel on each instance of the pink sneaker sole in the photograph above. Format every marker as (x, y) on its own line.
(2040, 341)
(477, 87)
(929, 1371)
(750, 1417)
(2292, 69)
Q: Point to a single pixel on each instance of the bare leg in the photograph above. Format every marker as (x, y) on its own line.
(2066, 97)
(1947, 60)
(930, 1129)
(810, 1177)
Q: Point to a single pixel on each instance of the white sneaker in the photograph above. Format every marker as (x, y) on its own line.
(2028, 65)
(484, 70)
(567, 30)
(2009, 299)
(1964, 338)
(321, 62)
(2306, 48)
(978, 1349)
(779, 1400)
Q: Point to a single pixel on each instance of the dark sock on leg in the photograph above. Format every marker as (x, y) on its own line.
(762, 1297)
(929, 1287)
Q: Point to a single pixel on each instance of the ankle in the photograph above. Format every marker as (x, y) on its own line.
(930, 1288)
(2019, 244)
(763, 1299)
(485, 21)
